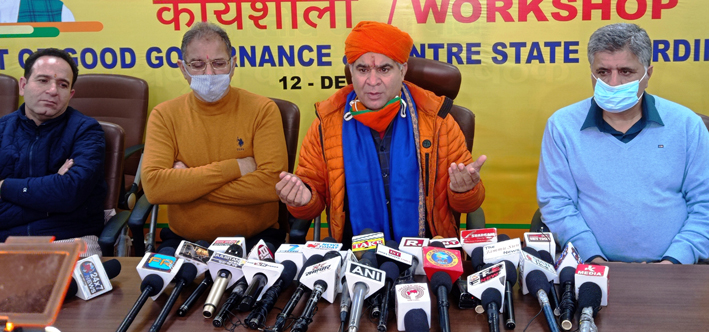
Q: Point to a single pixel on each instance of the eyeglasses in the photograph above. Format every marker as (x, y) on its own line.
(200, 65)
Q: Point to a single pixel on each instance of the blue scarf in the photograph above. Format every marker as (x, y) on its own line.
(363, 176)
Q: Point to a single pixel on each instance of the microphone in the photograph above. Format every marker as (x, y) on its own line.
(227, 269)
(262, 251)
(203, 286)
(413, 299)
(541, 241)
(488, 285)
(321, 278)
(441, 284)
(293, 253)
(538, 284)
(260, 275)
(391, 271)
(545, 256)
(477, 238)
(345, 300)
(225, 311)
(320, 247)
(363, 280)
(185, 276)
(566, 268)
(414, 246)
(502, 237)
(367, 240)
(509, 308)
(258, 315)
(592, 292)
(415, 321)
(295, 298)
(91, 277)
(156, 270)
(590, 295)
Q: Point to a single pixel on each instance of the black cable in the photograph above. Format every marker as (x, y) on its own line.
(533, 318)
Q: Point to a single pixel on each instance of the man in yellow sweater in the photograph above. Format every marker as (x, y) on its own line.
(214, 155)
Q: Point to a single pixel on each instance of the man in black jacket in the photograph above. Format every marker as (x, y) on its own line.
(51, 156)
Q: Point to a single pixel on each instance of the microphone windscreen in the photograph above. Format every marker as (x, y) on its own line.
(491, 295)
(390, 269)
(236, 250)
(439, 279)
(567, 275)
(271, 248)
(154, 281)
(531, 251)
(546, 256)
(329, 239)
(112, 268)
(392, 244)
(314, 259)
(437, 244)
(289, 270)
(371, 258)
(536, 280)
(202, 243)
(167, 251)
(590, 295)
(476, 257)
(487, 266)
(511, 271)
(331, 254)
(187, 272)
(416, 320)
(366, 231)
(502, 237)
(73, 288)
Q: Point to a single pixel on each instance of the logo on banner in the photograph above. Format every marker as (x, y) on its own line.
(412, 292)
(441, 258)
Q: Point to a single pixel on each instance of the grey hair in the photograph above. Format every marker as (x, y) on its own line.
(618, 36)
(204, 30)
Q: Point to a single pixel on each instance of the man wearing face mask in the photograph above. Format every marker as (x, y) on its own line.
(211, 155)
(624, 175)
(383, 154)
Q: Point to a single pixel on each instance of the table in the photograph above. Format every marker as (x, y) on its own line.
(642, 298)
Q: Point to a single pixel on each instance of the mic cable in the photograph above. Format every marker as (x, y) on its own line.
(226, 310)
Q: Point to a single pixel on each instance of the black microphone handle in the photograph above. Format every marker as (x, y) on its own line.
(567, 306)
(192, 299)
(443, 318)
(509, 311)
(554, 299)
(168, 306)
(288, 309)
(257, 283)
(384, 316)
(493, 317)
(231, 302)
(301, 325)
(135, 309)
(258, 315)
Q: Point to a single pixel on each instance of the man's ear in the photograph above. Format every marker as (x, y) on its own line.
(22, 83)
(404, 67)
(183, 70)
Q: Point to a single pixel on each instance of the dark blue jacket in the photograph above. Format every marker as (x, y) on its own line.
(34, 199)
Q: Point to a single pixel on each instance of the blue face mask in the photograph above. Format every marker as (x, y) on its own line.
(619, 98)
(210, 88)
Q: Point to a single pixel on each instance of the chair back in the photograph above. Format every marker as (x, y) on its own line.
(9, 94)
(113, 162)
(705, 119)
(290, 116)
(118, 99)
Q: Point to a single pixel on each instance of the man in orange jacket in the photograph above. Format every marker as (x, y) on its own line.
(383, 154)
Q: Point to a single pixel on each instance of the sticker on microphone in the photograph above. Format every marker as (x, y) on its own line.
(91, 278)
(441, 258)
(412, 292)
(160, 262)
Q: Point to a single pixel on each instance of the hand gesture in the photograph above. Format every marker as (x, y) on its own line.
(292, 191)
(464, 177)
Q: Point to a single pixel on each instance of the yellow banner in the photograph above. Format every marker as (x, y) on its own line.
(521, 60)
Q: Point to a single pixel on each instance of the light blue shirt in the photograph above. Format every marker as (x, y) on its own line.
(637, 201)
